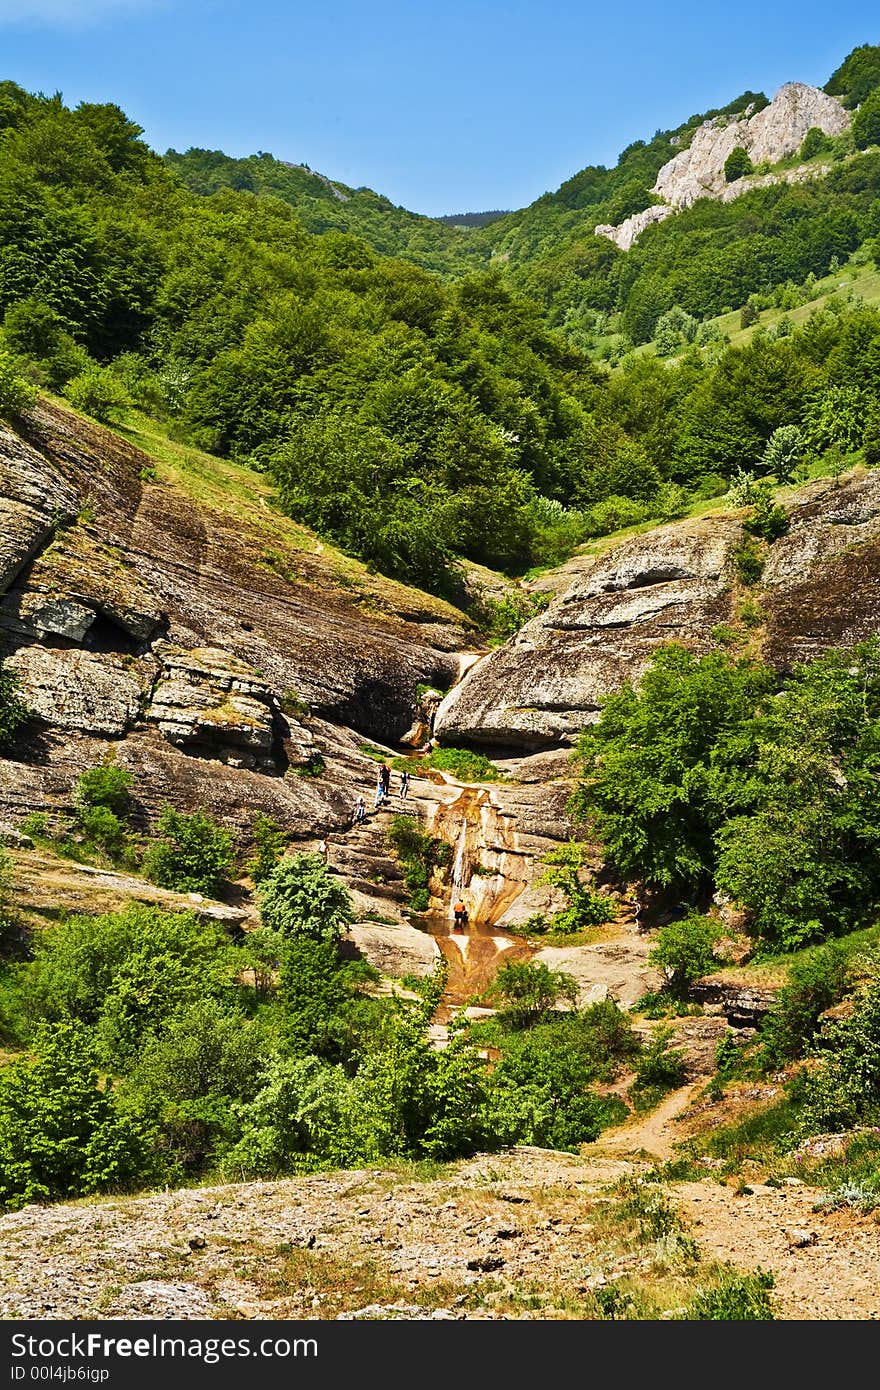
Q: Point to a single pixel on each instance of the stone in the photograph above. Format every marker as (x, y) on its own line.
(768, 136)
(77, 690)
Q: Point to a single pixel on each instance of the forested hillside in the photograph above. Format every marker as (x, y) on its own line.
(421, 419)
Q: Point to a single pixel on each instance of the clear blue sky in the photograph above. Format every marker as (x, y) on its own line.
(442, 105)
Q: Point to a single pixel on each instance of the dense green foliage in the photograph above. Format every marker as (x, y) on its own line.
(302, 897)
(706, 777)
(193, 854)
(419, 418)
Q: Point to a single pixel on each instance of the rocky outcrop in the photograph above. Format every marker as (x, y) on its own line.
(820, 589)
(34, 500)
(550, 680)
(632, 227)
(767, 136)
(80, 691)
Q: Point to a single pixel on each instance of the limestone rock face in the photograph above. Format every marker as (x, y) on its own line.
(767, 136)
(549, 681)
(151, 562)
(82, 691)
(820, 589)
(34, 498)
(208, 701)
(632, 227)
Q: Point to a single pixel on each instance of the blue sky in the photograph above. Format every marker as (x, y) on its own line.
(445, 107)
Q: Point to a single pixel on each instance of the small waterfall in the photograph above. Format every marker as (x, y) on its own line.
(459, 867)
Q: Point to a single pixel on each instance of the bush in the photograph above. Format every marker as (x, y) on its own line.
(738, 1297)
(737, 164)
(17, 396)
(97, 392)
(814, 142)
(302, 897)
(107, 786)
(62, 1134)
(814, 985)
(464, 764)
(586, 907)
(418, 853)
(749, 563)
(769, 521)
(270, 840)
(783, 452)
(13, 710)
(526, 990)
(684, 951)
(660, 1068)
(194, 855)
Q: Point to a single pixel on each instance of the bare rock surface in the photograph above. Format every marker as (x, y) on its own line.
(820, 589)
(767, 136)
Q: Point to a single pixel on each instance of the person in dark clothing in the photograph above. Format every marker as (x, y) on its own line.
(385, 774)
(404, 785)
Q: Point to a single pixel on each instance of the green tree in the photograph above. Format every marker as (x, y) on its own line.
(193, 855)
(646, 766)
(17, 395)
(527, 990)
(814, 142)
(62, 1133)
(866, 121)
(737, 164)
(99, 393)
(783, 452)
(684, 951)
(301, 897)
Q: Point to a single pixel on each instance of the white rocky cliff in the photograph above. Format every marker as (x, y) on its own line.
(767, 136)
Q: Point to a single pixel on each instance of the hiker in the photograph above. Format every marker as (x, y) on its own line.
(385, 774)
(360, 811)
(404, 785)
(380, 792)
(461, 915)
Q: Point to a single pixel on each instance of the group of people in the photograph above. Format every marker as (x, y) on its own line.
(383, 791)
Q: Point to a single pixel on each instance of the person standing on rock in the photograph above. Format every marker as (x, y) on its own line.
(404, 785)
(380, 791)
(385, 774)
(360, 811)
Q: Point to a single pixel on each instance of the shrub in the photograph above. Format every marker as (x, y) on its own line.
(783, 452)
(62, 1134)
(17, 396)
(97, 392)
(464, 764)
(814, 985)
(418, 853)
(194, 854)
(814, 142)
(737, 164)
(302, 897)
(107, 786)
(660, 1068)
(684, 951)
(770, 521)
(586, 907)
(526, 990)
(749, 563)
(13, 710)
(270, 840)
(738, 1297)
